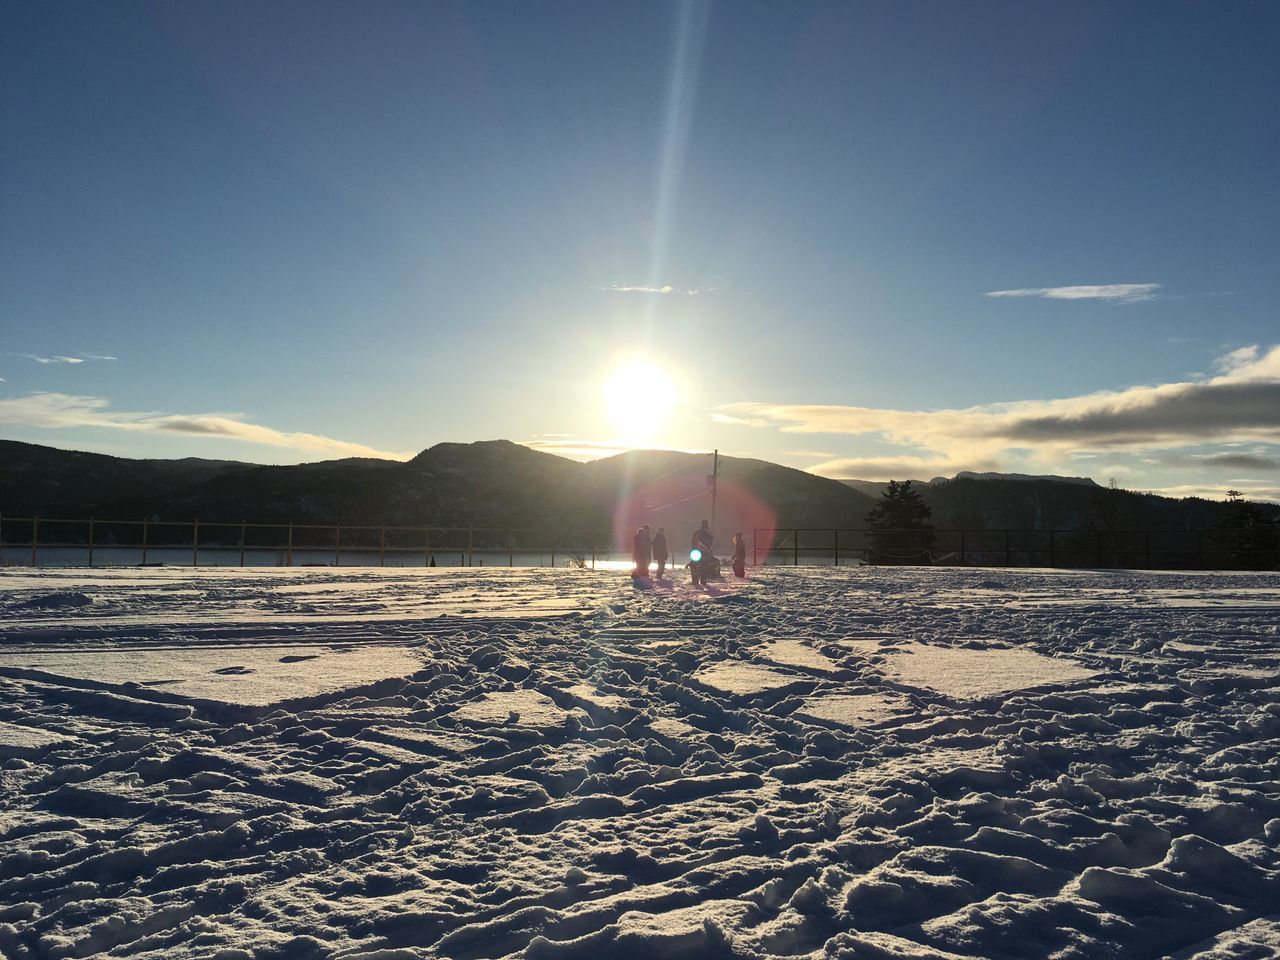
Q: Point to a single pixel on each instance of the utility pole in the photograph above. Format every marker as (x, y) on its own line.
(715, 472)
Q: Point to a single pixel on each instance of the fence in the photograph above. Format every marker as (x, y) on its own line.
(31, 540)
(51, 541)
(1131, 549)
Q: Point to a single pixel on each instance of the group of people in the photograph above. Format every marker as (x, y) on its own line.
(651, 548)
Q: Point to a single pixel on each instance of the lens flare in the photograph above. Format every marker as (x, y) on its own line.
(695, 555)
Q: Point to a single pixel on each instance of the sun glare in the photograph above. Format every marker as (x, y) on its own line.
(639, 396)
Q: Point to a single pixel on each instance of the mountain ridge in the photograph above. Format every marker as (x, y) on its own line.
(499, 483)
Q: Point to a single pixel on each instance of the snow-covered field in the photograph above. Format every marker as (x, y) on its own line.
(549, 763)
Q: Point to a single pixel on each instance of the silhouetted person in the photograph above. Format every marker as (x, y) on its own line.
(701, 541)
(660, 551)
(642, 549)
(739, 556)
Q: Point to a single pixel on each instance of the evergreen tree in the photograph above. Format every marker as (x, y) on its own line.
(1251, 534)
(900, 528)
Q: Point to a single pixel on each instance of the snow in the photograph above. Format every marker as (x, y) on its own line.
(796, 653)
(526, 707)
(20, 741)
(489, 763)
(856, 711)
(743, 678)
(966, 673)
(240, 674)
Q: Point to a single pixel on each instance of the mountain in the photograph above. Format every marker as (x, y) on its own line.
(488, 484)
(503, 486)
(42, 480)
(1021, 502)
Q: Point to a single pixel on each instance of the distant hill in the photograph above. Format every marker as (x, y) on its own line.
(51, 482)
(493, 483)
(996, 501)
(503, 485)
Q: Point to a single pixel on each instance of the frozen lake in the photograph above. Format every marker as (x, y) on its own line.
(401, 763)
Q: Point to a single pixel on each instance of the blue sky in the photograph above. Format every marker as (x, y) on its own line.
(311, 230)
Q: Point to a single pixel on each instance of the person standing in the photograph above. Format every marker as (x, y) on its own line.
(660, 551)
(640, 553)
(701, 541)
(739, 556)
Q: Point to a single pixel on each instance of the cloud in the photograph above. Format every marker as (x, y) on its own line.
(1230, 461)
(901, 467)
(1252, 490)
(647, 288)
(59, 358)
(1241, 405)
(57, 411)
(1112, 292)
(586, 450)
(574, 448)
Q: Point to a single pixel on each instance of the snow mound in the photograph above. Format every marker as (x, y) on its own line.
(67, 600)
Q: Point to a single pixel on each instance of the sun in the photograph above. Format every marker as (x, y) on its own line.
(639, 396)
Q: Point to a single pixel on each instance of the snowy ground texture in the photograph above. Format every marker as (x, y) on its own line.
(850, 763)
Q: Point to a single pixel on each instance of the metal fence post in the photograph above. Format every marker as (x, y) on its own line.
(836, 541)
(91, 541)
(511, 551)
(795, 548)
(382, 546)
(470, 545)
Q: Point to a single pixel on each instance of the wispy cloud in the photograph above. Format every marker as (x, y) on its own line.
(1252, 489)
(1112, 292)
(56, 411)
(1240, 405)
(902, 467)
(59, 358)
(1230, 461)
(648, 288)
(579, 448)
